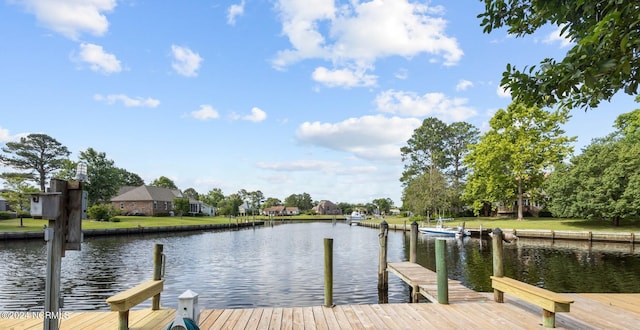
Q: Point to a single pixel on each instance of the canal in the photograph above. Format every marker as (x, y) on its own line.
(282, 266)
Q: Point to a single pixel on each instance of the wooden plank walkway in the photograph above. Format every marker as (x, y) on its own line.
(590, 311)
(424, 281)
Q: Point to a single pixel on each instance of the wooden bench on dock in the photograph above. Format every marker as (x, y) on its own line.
(551, 302)
(124, 301)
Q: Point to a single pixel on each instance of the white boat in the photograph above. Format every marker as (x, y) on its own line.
(355, 216)
(440, 229)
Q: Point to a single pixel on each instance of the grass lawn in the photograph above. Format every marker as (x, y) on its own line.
(535, 223)
(474, 222)
(125, 222)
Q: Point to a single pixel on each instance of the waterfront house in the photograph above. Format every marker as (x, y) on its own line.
(280, 210)
(145, 200)
(326, 207)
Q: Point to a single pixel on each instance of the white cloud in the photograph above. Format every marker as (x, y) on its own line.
(98, 59)
(185, 62)
(299, 165)
(257, 115)
(127, 101)
(71, 18)
(343, 77)
(555, 37)
(427, 105)
(463, 85)
(5, 136)
(503, 92)
(234, 11)
(367, 137)
(359, 33)
(206, 112)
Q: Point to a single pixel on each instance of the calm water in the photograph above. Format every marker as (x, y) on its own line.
(283, 266)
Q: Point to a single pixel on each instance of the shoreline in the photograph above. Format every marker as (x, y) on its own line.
(7, 236)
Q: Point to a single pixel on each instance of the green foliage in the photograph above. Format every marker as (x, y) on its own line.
(427, 194)
(191, 193)
(18, 192)
(213, 197)
(6, 215)
(164, 182)
(302, 201)
(181, 205)
(103, 176)
(101, 212)
(513, 156)
(36, 153)
(603, 60)
(114, 219)
(604, 181)
(436, 149)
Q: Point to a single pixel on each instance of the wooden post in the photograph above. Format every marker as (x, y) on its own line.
(55, 252)
(413, 245)
(441, 271)
(498, 267)
(328, 272)
(157, 273)
(383, 275)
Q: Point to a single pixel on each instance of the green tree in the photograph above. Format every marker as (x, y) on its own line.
(512, 158)
(164, 182)
(436, 149)
(191, 193)
(302, 201)
(230, 205)
(271, 201)
(384, 205)
(39, 154)
(127, 178)
(603, 60)
(604, 181)
(181, 205)
(213, 197)
(18, 192)
(425, 149)
(427, 194)
(103, 177)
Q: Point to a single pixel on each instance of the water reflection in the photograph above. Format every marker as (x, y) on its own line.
(283, 266)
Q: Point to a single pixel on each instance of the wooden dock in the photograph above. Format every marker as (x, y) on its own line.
(590, 311)
(424, 281)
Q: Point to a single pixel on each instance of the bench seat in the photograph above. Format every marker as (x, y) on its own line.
(551, 302)
(122, 302)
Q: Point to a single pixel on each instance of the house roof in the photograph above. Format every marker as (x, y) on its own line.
(147, 193)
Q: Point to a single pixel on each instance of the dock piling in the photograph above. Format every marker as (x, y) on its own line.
(158, 262)
(383, 275)
(498, 267)
(328, 272)
(413, 245)
(441, 271)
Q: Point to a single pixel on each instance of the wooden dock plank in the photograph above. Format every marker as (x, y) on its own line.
(287, 318)
(330, 318)
(319, 317)
(426, 281)
(209, 316)
(341, 317)
(276, 319)
(628, 301)
(221, 320)
(265, 318)
(351, 317)
(590, 311)
(297, 319)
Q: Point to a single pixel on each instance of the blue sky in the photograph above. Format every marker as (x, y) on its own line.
(282, 96)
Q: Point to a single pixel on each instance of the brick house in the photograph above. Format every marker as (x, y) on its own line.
(147, 200)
